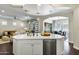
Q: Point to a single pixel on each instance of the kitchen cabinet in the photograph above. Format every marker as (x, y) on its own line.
(28, 47)
(60, 46)
(38, 49)
(38, 45)
(53, 47)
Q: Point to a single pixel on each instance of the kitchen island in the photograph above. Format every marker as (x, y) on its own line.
(38, 45)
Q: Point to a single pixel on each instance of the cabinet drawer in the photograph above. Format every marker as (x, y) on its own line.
(31, 41)
(37, 41)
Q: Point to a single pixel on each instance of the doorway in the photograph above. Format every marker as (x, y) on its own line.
(60, 26)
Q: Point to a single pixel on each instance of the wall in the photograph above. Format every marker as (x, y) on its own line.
(76, 28)
(71, 31)
(10, 26)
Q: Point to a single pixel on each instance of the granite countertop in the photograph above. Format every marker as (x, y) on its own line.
(24, 36)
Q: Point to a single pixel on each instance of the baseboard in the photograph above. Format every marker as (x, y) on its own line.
(75, 47)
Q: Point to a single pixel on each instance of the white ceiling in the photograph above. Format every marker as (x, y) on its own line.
(44, 9)
(32, 9)
(49, 20)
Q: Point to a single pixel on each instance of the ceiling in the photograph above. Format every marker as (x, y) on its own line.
(49, 20)
(45, 9)
(21, 11)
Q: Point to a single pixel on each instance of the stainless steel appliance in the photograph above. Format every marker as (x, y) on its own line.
(49, 47)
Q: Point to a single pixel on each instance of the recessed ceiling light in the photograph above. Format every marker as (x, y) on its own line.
(4, 22)
(2, 11)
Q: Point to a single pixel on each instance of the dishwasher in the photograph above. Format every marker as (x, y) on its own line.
(49, 47)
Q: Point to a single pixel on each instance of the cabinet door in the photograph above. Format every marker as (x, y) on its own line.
(60, 46)
(37, 49)
(25, 49)
(28, 47)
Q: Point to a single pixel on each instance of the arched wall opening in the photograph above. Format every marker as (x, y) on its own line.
(57, 25)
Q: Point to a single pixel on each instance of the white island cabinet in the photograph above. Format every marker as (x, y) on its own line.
(38, 45)
(27, 47)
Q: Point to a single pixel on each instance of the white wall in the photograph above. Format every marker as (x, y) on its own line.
(10, 26)
(75, 28)
(71, 29)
